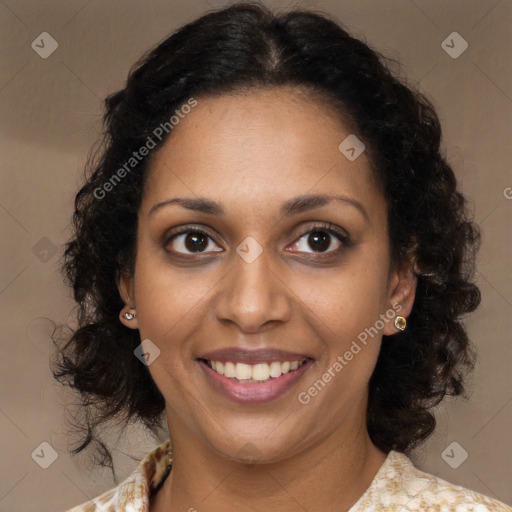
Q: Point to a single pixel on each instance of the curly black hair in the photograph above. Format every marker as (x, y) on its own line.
(237, 49)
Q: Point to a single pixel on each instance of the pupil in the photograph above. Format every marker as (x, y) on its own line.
(319, 239)
(196, 243)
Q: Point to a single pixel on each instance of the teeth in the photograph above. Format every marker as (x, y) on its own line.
(275, 369)
(260, 372)
(243, 371)
(229, 370)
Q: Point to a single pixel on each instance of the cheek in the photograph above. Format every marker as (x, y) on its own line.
(346, 300)
(343, 307)
(169, 301)
(169, 305)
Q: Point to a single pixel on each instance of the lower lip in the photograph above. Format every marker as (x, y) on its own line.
(254, 392)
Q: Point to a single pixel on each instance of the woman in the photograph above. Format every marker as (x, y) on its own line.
(272, 251)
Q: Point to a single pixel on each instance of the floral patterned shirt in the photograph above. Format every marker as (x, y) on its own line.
(398, 486)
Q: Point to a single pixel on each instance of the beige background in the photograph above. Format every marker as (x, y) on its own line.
(50, 113)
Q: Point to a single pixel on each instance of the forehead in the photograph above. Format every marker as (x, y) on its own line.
(258, 148)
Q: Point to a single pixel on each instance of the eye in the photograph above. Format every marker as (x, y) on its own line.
(195, 241)
(189, 240)
(320, 239)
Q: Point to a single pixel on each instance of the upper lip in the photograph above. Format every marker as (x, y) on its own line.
(255, 356)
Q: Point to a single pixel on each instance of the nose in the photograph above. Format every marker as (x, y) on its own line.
(252, 295)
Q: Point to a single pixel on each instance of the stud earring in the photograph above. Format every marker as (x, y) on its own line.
(128, 315)
(400, 323)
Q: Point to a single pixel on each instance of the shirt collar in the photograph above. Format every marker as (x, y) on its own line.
(134, 493)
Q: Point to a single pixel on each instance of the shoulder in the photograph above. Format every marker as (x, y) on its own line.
(135, 491)
(399, 485)
(439, 494)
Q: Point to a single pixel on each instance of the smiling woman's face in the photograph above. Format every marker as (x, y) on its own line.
(265, 275)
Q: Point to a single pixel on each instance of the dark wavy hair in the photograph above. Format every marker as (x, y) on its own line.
(242, 48)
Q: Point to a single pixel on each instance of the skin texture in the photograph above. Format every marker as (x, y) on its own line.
(251, 153)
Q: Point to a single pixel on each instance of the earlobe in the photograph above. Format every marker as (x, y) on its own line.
(127, 315)
(402, 295)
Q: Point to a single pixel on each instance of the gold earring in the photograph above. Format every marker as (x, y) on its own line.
(400, 323)
(130, 316)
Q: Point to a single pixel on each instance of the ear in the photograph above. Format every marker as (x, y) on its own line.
(402, 291)
(126, 291)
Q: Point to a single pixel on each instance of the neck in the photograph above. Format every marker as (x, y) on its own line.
(329, 475)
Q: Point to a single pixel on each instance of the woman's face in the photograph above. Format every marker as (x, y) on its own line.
(265, 276)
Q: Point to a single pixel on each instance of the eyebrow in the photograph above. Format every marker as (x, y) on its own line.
(291, 207)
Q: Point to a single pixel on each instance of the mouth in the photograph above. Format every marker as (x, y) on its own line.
(253, 383)
(261, 372)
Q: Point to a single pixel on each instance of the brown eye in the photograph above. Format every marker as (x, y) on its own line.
(189, 241)
(320, 239)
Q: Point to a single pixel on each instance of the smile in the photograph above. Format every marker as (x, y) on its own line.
(253, 383)
(261, 372)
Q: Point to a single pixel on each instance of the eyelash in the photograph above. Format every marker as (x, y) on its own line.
(323, 227)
